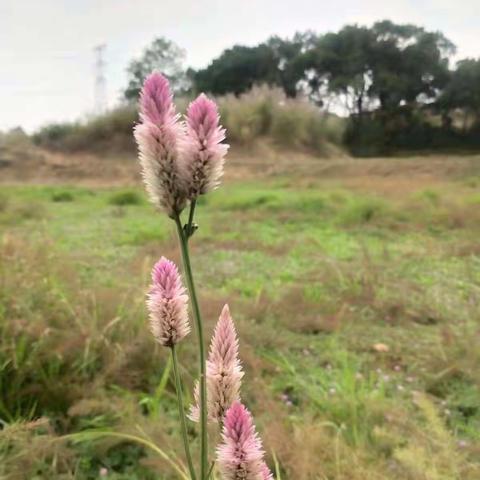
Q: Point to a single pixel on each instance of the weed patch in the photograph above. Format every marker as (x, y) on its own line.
(127, 197)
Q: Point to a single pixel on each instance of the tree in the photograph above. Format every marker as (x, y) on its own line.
(409, 64)
(463, 91)
(289, 69)
(386, 70)
(239, 68)
(386, 65)
(236, 70)
(339, 64)
(162, 55)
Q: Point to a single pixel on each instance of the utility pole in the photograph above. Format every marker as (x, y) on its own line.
(100, 93)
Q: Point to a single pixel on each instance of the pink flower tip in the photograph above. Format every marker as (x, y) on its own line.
(166, 278)
(203, 150)
(224, 371)
(240, 456)
(266, 473)
(238, 424)
(224, 345)
(167, 304)
(203, 117)
(156, 99)
(159, 136)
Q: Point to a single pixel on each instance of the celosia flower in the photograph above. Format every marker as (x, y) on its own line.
(159, 137)
(224, 372)
(267, 474)
(203, 152)
(240, 455)
(167, 304)
(156, 100)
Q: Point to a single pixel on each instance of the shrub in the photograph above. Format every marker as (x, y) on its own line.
(289, 126)
(54, 135)
(112, 128)
(290, 123)
(63, 196)
(365, 138)
(262, 112)
(248, 117)
(406, 129)
(126, 197)
(3, 202)
(364, 211)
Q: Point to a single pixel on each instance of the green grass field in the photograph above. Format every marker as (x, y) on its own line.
(357, 310)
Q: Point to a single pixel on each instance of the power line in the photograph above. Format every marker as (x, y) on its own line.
(100, 91)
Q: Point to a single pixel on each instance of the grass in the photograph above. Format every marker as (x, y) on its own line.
(291, 124)
(97, 134)
(262, 113)
(126, 197)
(316, 278)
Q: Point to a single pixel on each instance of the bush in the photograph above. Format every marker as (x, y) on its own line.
(289, 126)
(247, 117)
(263, 112)
(290, 123)
(3, 202)
(364, 211)
(16, 137)
(127, 197)
(406, 129)
(365, 138)
(54, 135)
(63, 196)
(113, 128)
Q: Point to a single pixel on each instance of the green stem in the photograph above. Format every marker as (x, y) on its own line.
(198, 320)
(181, 410)
(210, 471)
(189, 229)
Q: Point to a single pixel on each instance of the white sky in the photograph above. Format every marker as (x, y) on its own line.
(46, 56)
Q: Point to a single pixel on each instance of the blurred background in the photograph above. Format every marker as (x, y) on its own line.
(344, 237)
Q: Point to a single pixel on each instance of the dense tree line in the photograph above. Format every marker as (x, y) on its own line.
(392, 80)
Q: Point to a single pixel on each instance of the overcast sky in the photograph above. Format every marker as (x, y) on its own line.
(46, 46)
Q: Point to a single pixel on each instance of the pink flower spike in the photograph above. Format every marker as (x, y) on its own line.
(167, 304)
(203, 152)
(240, 455)
(267, 474)
(156, 100)
(224, 345)
(224, 371)
(159, 137)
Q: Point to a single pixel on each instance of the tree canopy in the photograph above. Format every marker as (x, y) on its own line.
(382, 66)
(237, 70)
(386, 76)
(463, 89)
(162, 55)
(364, 68)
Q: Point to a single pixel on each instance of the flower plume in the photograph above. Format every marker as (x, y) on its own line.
(158, 137)
(156, 100)
(224, 371)
(203, 151)
(167, 304)
(240, 455)
(266, 473)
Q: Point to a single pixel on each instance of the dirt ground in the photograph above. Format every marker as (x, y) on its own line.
(34, 165)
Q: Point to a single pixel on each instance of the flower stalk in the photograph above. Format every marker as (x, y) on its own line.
(190, 227)
(181, 160)
(183, 239)
(181, 411)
